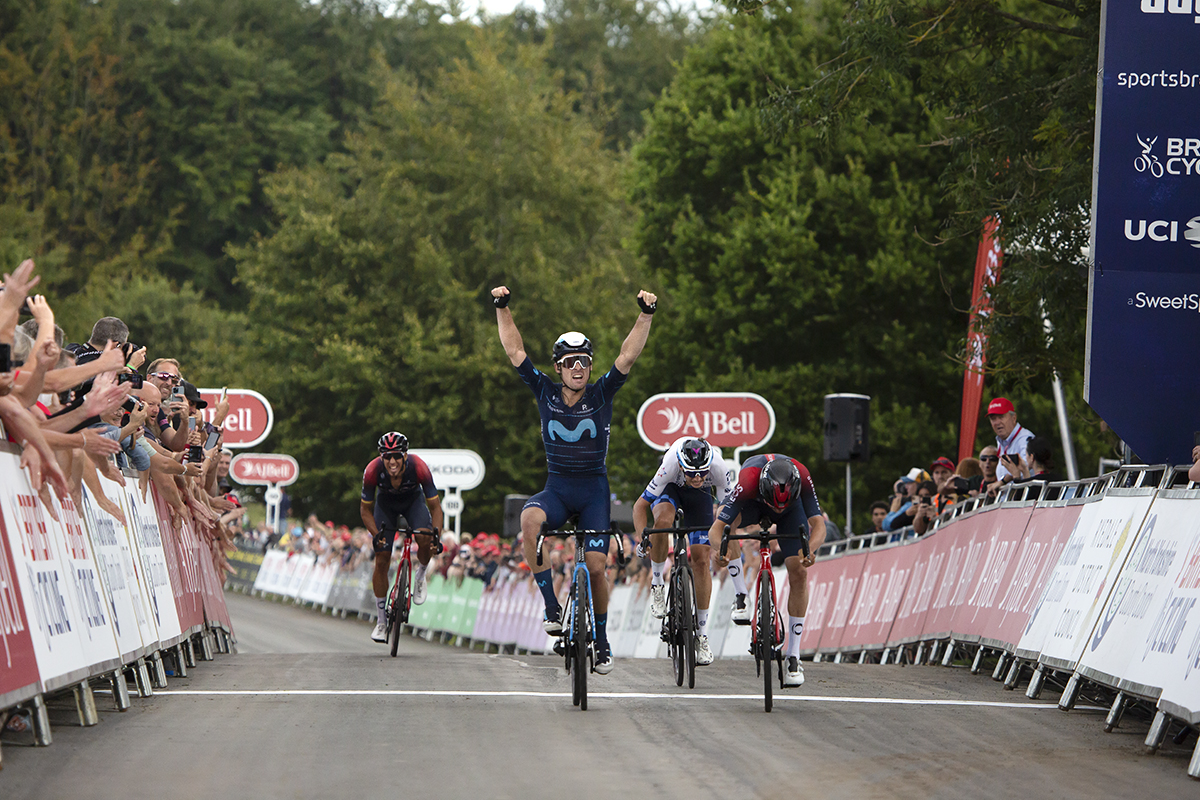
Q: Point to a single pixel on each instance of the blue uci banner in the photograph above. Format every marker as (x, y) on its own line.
(1143, 352)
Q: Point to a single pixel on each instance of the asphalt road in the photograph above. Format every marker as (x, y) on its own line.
(311, 708)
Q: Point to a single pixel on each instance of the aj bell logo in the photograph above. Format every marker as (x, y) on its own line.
(1170, 7)
(1161, 230)
(1183, 157)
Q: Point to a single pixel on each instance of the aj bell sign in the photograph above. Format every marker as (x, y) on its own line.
(250, 416)
(1144, 286)
(741, 420)
(264, 469)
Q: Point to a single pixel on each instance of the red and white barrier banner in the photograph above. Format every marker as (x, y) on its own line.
(885, 580)
(1150, 620)
(960, 546)
(918, 595)
(18, 661)
(182, 566)
(1084, 576)
(122, 592)
(1045, 538)
(68, 623)
(155, 572)
(977, 614)
(832, 590)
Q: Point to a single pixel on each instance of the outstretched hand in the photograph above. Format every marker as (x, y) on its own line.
(500, 296)
(18, 284)
(647, 301)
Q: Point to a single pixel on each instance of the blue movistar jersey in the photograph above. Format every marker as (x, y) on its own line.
(576, 437)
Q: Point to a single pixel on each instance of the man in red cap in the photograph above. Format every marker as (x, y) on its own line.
(941, 470)
(1011, 438)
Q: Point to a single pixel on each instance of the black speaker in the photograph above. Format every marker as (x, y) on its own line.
(847, 427)
(513, 503)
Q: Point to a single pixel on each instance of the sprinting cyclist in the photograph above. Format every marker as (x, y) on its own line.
(691, 470)
(576, 417)
(398, 485)
(778, 489)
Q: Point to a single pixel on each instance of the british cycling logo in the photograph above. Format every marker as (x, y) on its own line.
(1183, 157)
(557, 430)
(1163, 230)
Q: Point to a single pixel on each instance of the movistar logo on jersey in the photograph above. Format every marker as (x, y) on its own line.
(557, 430)
(595, 543)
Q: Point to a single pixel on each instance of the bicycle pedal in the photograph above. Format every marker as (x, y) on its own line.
(560, 647)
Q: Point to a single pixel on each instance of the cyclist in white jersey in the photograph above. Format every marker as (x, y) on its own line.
(690, 472)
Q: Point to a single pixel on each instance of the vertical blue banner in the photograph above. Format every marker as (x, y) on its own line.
(1143, 351)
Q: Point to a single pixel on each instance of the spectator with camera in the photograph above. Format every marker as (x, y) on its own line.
(1038, 464)
(1011, 439)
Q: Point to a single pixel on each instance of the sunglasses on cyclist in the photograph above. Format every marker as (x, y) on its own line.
(393, 456)
(575, 361)
(165, 376)
(696, 474)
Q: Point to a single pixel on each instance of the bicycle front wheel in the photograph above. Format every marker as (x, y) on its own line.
(579, 644)
(675, 636)
(687, 626)
(400, 600)
(766, 640)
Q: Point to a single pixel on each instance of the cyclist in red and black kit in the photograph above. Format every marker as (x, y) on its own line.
(398, 485)
(778, 489)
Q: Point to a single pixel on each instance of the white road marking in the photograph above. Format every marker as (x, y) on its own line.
(898, 701)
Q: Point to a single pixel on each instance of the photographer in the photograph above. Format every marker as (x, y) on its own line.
(905, 488)
(924, 510)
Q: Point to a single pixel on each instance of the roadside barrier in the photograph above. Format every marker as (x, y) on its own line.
(85, 599)
(1088, 584)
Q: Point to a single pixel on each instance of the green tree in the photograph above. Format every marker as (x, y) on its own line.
(369, 305)
(799, 266)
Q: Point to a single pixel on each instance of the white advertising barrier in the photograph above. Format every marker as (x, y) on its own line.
(135, 634)
(1147, 634)
(138, 581)
(1084, 576)
(271, 578)
(319, 584)
(154, 575)
(67, 619)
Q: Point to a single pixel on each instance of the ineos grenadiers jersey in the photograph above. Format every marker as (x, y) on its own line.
(746, 491)
(575, 437)
(415, 478)
(670, 472)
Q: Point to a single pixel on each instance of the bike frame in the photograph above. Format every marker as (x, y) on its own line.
(580, 565)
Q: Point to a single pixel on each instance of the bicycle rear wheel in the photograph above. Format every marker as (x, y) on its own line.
(766, 637)
(399, 614)
(579, 644)
(687, 626)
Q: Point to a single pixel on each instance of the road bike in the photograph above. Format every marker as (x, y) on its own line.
(579, 637)
(680, 627)
(767, 639)
(399, 601)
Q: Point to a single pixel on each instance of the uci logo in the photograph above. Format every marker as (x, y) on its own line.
(1161, 230)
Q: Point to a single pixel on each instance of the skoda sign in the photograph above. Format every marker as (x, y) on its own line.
(453, 469)
(741, 420)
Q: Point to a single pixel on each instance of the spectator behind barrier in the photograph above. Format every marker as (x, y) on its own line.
(77, 416)
(1194, 472)
(879, 511)
(1038, 463)
(1011, 438)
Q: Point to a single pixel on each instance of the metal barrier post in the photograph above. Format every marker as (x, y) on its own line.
(1158, 732)
(933, 651)
(189, 653)
(206, 652)
(141, 676)
(85, 704)
(120, 690)
(975, 664)
(1035, 683)
(1070, 693)
(887, 653)
(41, 723)
(948, 659)
(1194, 764)
(1014, 674)
(1115, 713)
(159, 676)
(1001, 663)
(180, 661)
(920, 653)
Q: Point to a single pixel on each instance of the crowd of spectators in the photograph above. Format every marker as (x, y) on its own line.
(79, 410)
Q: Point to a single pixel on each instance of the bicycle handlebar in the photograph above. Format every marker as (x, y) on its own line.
(407, 531)
(615, 530)
(763, 536)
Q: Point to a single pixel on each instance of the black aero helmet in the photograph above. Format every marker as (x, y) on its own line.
(779, 483)
(572, 342)
(695, 455)
(393, 442)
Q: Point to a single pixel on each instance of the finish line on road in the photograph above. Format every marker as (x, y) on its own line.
(899, 701)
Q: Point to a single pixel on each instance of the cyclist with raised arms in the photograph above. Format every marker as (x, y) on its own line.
(691, 470)
(778, 489)
(576, 417)
(396, 485)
